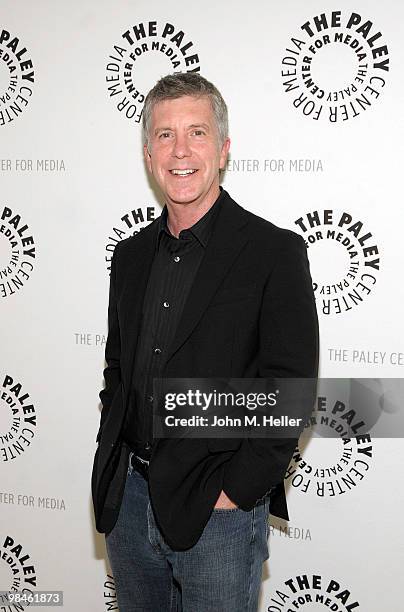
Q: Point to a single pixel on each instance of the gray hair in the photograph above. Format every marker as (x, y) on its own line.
(181, 84)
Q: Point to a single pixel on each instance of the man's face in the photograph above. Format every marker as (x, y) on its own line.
(184, 154)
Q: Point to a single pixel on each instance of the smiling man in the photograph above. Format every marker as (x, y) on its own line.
(184, 152)
(206, 290)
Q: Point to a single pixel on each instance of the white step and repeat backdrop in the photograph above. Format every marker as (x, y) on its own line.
(315, 95)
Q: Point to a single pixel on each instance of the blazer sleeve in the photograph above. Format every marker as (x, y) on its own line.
(288, 347)
(112, 372)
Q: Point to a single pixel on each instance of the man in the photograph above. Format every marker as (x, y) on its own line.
(206, 290)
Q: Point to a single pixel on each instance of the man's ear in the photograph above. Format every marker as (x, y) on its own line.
(147, 158)
(223, 153)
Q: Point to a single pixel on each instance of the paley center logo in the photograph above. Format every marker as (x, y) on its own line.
(312, 591)
(130, 224)
(335, 452)
(145, 52)
(344, 259)
(18, 418)
(336, 66)
(17, 252)
(17, 572)
(17, 77)
(109, 592)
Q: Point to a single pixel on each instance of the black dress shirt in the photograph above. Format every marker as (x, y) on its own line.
(174, 267)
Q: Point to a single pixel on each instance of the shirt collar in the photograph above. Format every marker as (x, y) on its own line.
(202, 229)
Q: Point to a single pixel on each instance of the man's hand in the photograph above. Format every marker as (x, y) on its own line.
(224, 502)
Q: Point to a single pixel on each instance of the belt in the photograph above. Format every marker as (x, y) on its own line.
(140, 466)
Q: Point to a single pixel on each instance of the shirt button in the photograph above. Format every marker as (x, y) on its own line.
(157, 351)
(166, 304)
(150, 398)
(177, 259)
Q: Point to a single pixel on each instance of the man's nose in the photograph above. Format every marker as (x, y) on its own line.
(181, 147)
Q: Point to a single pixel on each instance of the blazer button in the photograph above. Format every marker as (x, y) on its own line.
(147, 446)
(112, 443)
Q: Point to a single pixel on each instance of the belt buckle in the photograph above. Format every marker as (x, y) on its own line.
(140, 466)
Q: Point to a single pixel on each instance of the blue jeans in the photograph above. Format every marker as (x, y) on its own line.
(220, 573)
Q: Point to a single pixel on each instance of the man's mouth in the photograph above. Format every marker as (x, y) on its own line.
(185, 172)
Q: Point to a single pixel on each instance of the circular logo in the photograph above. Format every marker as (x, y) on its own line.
(336, 67)
(146, 52)
(341, 458)
(16, 77)
(109, 590)
(18, 419)
(17, 252)
(312, 592)
(344, 261)
(130, 224)
(17, 573)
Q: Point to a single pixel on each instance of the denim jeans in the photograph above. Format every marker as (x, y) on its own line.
(220, 573)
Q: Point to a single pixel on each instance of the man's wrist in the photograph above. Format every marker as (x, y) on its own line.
(224, 501)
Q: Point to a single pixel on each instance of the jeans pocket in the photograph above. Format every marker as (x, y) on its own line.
(226, 510)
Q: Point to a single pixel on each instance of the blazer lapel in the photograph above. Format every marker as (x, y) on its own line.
(225, 243)
(137, 272)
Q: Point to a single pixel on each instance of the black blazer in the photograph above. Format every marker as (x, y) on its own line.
(250, 313)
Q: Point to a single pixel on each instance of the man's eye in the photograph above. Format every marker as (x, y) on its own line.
(164, 135)
(198, 132)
